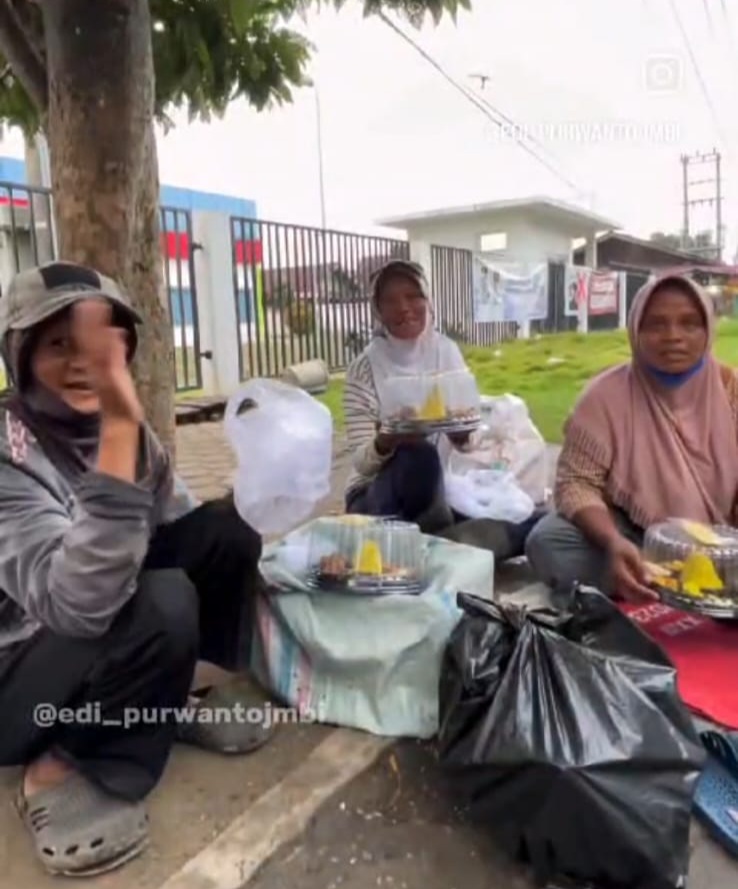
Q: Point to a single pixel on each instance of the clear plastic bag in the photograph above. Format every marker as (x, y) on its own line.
(508, 438)
(488, 494)
(283, 441)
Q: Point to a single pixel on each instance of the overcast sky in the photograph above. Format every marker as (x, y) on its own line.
(397, 138)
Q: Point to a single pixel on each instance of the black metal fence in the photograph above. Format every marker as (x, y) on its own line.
(27, 238)
(301, 293)
(179, 276)
(557, 320)
(633, 283)
(26, 228)
(452, 283)
(452, 277)
(26, 234)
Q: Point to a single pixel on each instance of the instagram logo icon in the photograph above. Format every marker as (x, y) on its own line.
(663, 73)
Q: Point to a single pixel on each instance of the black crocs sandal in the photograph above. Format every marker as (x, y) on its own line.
(79, 830)
(230, 719)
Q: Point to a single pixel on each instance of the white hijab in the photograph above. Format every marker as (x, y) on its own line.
(429, 353)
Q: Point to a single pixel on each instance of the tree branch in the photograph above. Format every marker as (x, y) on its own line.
(17, 47)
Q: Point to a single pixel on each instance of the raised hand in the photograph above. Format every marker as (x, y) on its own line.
(103, 350)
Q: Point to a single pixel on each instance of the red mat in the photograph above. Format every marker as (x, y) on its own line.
(705, 654)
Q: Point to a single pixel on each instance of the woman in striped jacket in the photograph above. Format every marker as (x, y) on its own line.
(402, 476)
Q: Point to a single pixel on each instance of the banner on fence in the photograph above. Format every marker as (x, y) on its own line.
(512, 292)
(577, 290)
(604, 293)
(487, 294)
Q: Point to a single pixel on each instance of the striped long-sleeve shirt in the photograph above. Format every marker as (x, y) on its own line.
(363, 419)
(361, 410)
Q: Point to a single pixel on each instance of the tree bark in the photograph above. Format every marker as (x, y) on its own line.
(155, 370)
(104, 169)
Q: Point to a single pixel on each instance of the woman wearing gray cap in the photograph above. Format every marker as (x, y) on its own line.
(113, 582)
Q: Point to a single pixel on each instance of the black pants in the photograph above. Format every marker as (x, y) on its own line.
(404, 488)
(194, 601)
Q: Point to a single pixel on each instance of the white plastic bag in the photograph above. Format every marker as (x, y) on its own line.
(283, 441)
(508, 439)
(488, 494)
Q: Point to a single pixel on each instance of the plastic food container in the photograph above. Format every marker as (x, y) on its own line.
(365, 555)
(436, 402)
(694, 566)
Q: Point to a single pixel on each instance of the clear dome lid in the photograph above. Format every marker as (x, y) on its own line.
(432, 398)
(369, 554)
(693, 559)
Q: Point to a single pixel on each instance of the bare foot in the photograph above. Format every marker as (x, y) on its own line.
(45, 772)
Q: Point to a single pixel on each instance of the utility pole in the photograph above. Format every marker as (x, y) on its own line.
(713, 159)
(321, 174)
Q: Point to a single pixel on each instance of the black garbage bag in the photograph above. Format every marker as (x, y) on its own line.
(564, 733)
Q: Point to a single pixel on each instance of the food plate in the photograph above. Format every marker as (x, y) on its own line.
(694, 566)
(706, 606)
(372, 557)
(428, 403)
(431, 427)
(358, 585)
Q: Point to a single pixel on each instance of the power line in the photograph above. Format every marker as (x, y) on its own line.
(698, 72)
(508, 120)
(490, 112)
(710, 22)
(730, 32)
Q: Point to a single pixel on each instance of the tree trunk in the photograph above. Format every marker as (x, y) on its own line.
(104, 169)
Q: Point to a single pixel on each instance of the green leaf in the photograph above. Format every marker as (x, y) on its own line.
(209, 52)
(242, 12)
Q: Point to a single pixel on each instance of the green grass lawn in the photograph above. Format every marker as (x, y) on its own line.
(333, 399)
(549, 372)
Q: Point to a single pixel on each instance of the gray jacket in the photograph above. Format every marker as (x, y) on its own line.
(70, 559)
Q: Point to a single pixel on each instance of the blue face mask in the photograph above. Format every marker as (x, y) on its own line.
(672, 380)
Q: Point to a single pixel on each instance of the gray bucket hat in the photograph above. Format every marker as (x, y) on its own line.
(39, 293)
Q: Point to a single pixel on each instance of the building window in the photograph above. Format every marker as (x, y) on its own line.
(181, 307)
(494, 242)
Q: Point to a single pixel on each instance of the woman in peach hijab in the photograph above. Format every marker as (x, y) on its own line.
(652, 439)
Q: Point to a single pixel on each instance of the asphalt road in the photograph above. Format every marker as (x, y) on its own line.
(397, 827)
